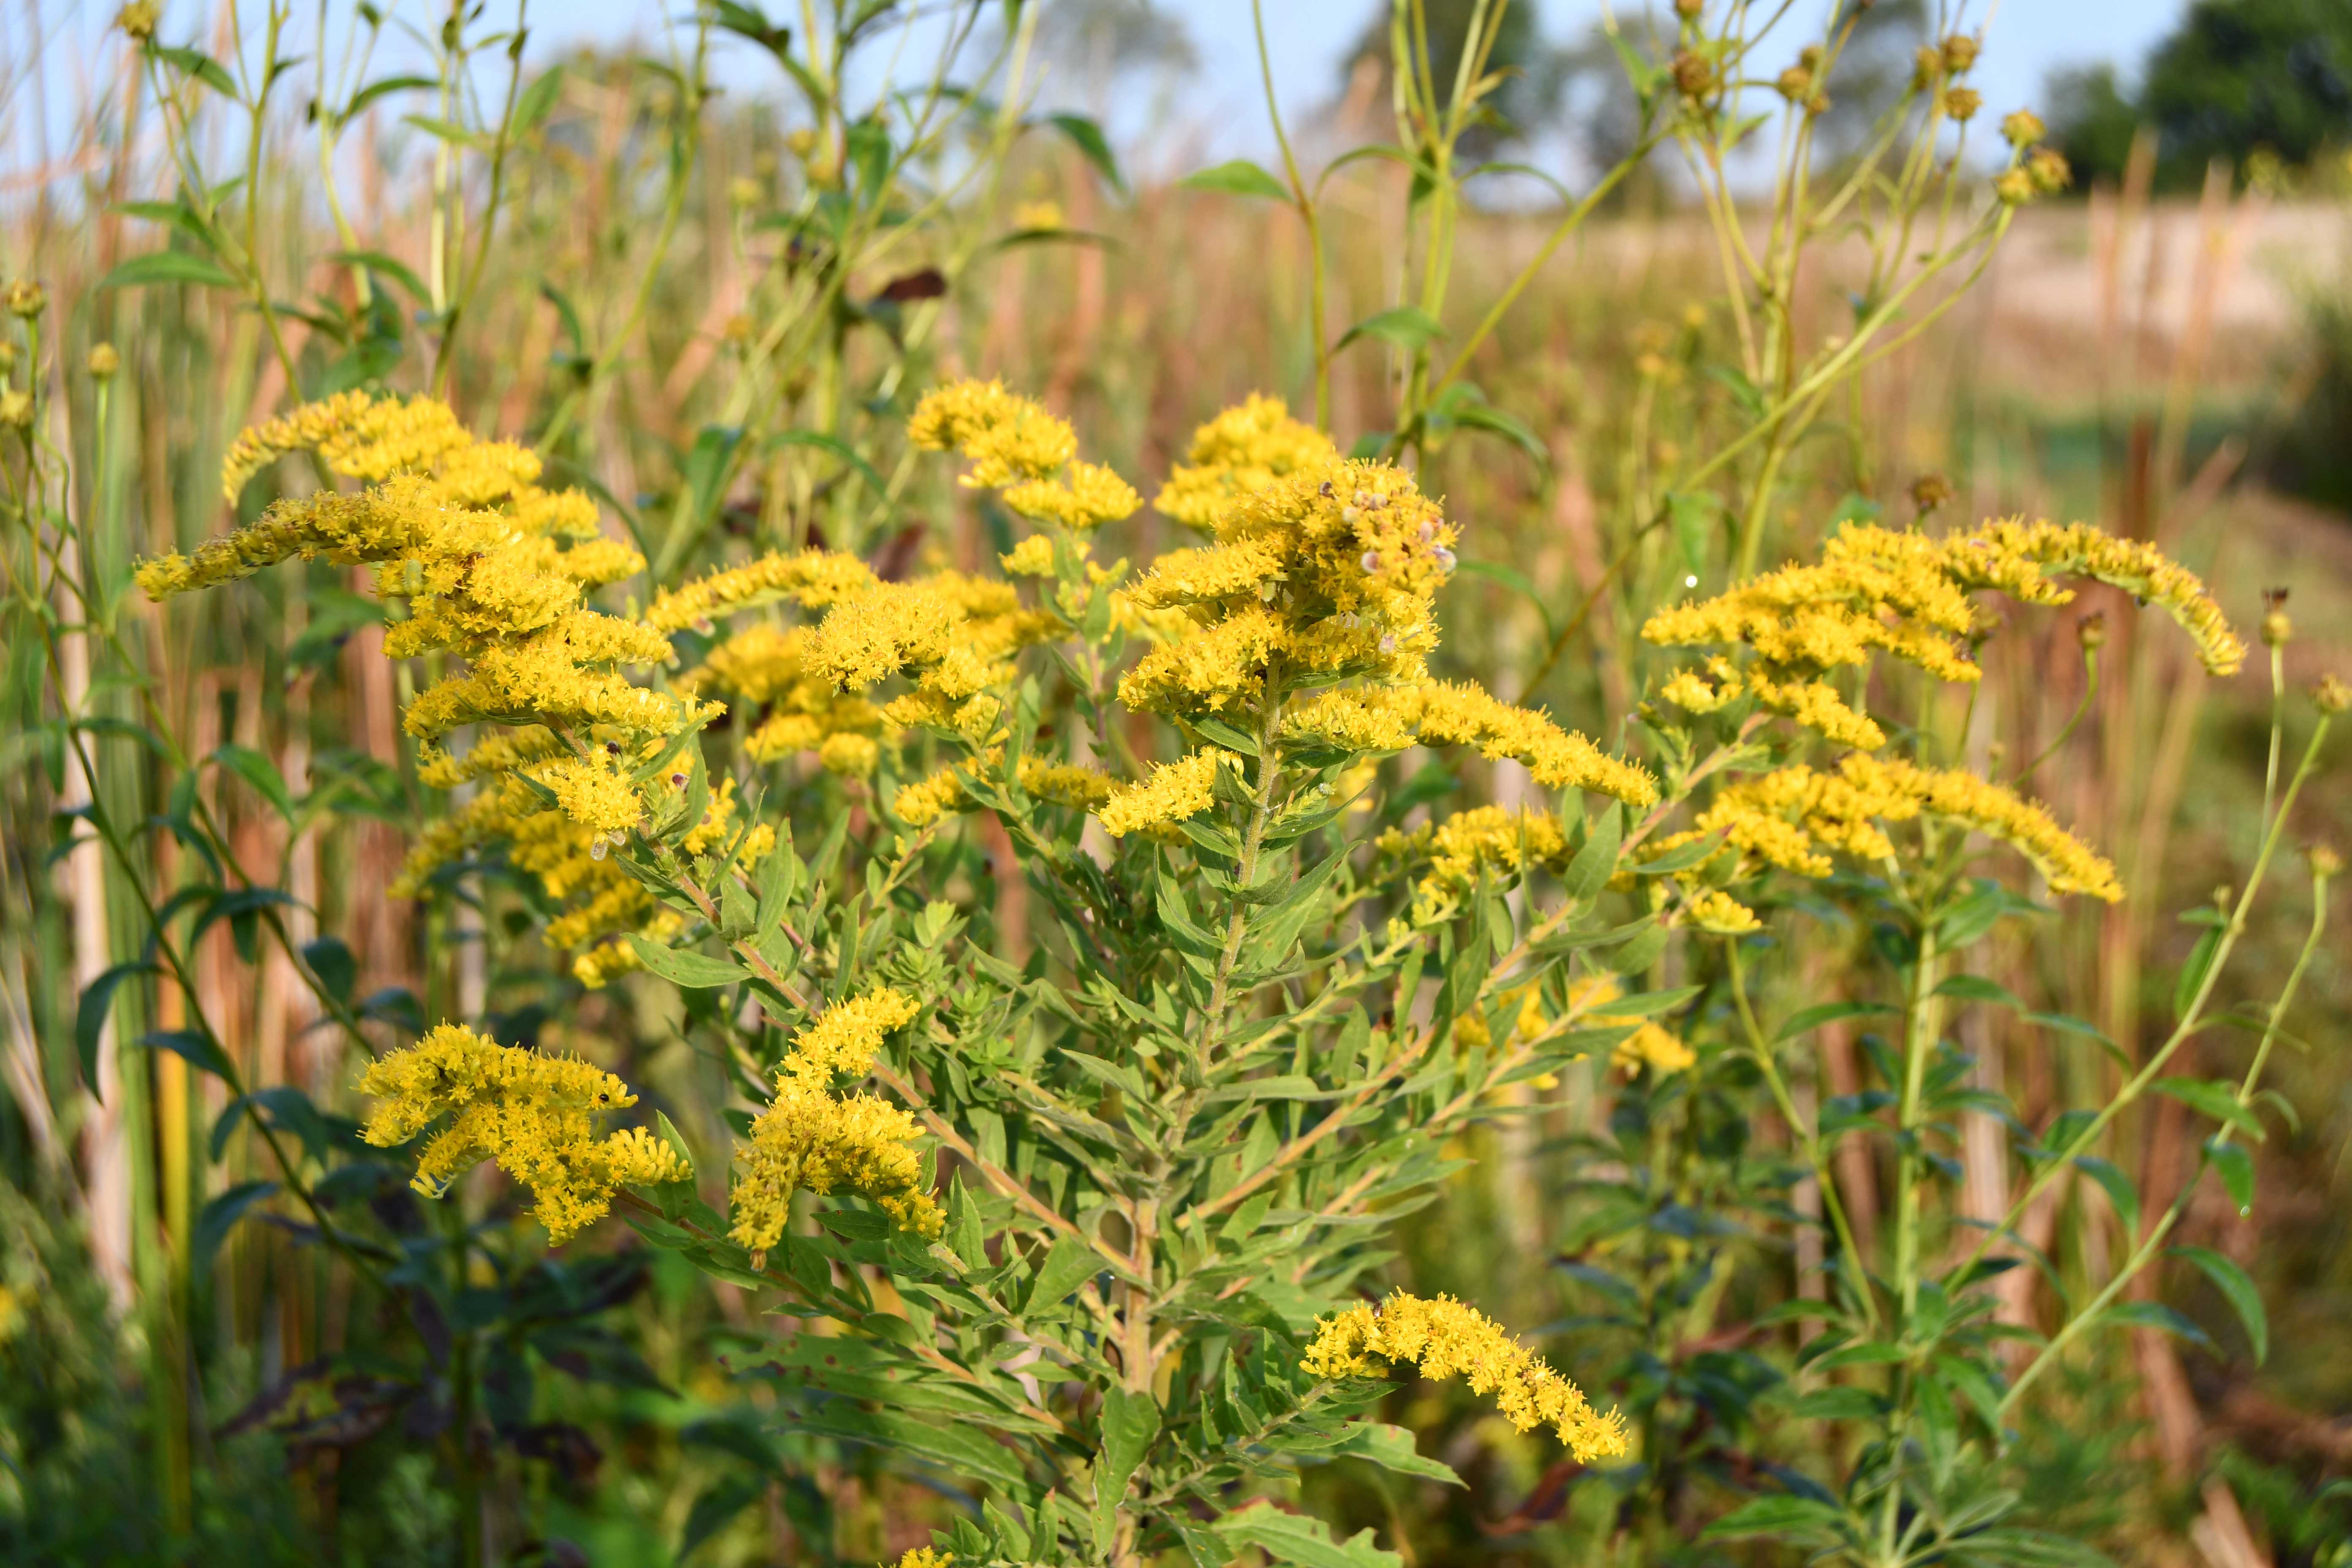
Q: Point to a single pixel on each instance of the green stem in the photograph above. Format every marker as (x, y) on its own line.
(2142, 1254)
(1309, 212)
(1808, 1140)
(2190, 1018)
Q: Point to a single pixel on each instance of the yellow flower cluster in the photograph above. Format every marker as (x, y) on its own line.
(766, 666)
(602, 905)
(1484, 838)
(1239, 453)
(847, 1036)
(494, 569)
(1443, 1338)
(1183, 788)
(923, 1557)
(1883, 590)
(535, 1115)
(1794, 816)
(924, 801)
(2020, 558)
(812, 578)
(1017, 448)
(1329, 573)
(810, 1138)
(354, 433)
(952, 635)
(1652, 1045)
(1463, 714)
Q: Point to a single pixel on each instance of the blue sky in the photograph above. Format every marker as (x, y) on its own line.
(2027, 39)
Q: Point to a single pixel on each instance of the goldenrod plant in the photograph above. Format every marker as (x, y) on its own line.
(1155, 1153)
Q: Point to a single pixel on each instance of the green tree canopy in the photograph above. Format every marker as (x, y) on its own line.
(2235, 77)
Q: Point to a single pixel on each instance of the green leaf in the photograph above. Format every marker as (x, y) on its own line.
(958, 1447)
(835, 445)
(1803, 1518)
(536, 101)
(1977, 988)
(168, 267)
(1087, 138)
(2213, 1097)
(260, 773)
(1392, 1448)
(1805, 1020)
(219, 1216)
(331, 960)
(2247, 1301)
(1639, 953)
(1069, 1262)
(1407, 327)
(90, 1017)
(2120, 1190)
(1239, 178)
(2067, 1024)
(384, 266)
(2236, 1168)
(390, 84)
(1130, 1422)
(1295, 1538)
(717, 1508)
(694, 971)
(2155, 1315)
(1838, 1403)
(2192, 974)
(444, 131)
(1590, 870)
(1510, 426)
(1693, 515)
(194, 1048)
(200, 64)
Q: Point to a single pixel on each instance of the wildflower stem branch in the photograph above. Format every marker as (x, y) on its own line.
(2190, 1021)
(1853, 1265)
(2146, 1251)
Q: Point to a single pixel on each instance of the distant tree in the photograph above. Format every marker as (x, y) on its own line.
(2234, 77)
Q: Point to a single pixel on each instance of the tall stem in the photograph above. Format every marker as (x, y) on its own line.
(1920, 1029)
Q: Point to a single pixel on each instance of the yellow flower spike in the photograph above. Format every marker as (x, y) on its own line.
(895, 628)
(1719, 914)
(1793, 817)
(1443, 1338)
(1882, 590)
(594, 795)
(1240, 451)
(1032, 557)
(534, 1115)
(1463, 714)
(847, 1036)
(2019, 558)
(924, 801)
(1175, 791)
(1240, 572)
(807, 1138)
(1654, 1046)
(1087, 497)
(1484, 838)
(1007, 436)
(812, 579)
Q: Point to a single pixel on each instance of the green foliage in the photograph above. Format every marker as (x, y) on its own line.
(2233, 78)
